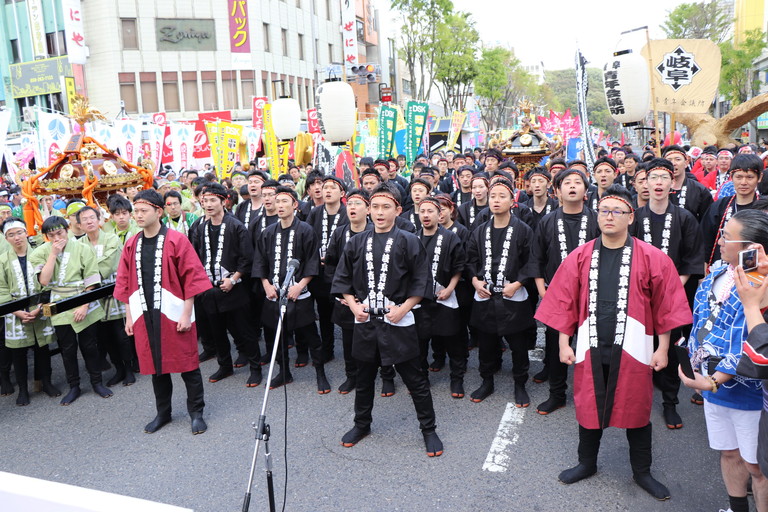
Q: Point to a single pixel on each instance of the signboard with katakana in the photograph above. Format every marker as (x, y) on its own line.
(685, 74)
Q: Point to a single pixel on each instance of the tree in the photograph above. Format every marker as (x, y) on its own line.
(563, 86)
(420, 20)
(738, 81)
(455, 61)
(501, 82)
(698, 20)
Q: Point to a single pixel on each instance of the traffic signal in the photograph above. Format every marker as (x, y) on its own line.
(366, 73)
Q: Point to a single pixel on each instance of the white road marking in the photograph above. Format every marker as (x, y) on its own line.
(498, 458)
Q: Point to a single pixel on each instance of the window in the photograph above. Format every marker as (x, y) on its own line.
(189, 83)
(130, 36)
(210, 95)
(330, 52)
(229, 89)
(265, 88)
(149, 101)
(328, 9)
(171, 91)
(309, 98)
(406, 86)
(360, 27)
(15, 51)
(301, 46)
(284, 39)
(298, 4)
(247, 87)
(55, 43)
(128, 92)
(266, 36)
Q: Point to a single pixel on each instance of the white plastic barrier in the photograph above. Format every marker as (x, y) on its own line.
(24, 494)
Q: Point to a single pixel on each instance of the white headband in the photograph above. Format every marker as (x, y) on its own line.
(13, 225)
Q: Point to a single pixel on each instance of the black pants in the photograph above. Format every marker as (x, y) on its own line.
(640, 447)
(668, 380)
(324, 310)
(163, 388)
(558, 372)
(117, 343)
(6, 358)
(307, 334)
(204, 329)
(458, 353)
(243, 334)
(42, 363)
(414, 379)
(69, 340)
(350, 363)
(490, 354)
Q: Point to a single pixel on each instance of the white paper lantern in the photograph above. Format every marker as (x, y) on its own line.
(286, 118)
(627, 87)
(336, 111)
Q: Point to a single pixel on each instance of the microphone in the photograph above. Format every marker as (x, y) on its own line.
(290, 270)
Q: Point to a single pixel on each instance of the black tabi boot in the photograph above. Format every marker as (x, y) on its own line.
(119, 375)
(640, 458)
(283, 377)
(74, 394)
(354, 436)
(198, 423)
(521, 396)
(49, 389)
(323, 386)
(347, 386)
(6, 386)
(255, 378)
(221, 373)
(589, 446)
(485, 390)
(457, 387)
(433, 444)
(387, 387)
(550, 405)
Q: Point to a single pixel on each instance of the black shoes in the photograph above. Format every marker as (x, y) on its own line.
(697, 399)
(579, 472)
(672, 418)
(521, 396)
(550, 405)
(433, 444)
(302, 360)
(117, 378)
(323, 386)
(49, 389)
(437, 365)
(347, 386)
(240, 361)
(254, 379)
(130, 378)
(651, 486)
(206, 355)
(387, 387)
(221, 373)
(542, 376)
(282, 378)
(23, 398)
(156, 424)
(354, 436)
(484, 391)
(101, 390)
(6, 387)
(457, 388)
(198, 424)
(74, 394)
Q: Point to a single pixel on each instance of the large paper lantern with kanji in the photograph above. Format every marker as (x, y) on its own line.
(627, 87)
(336, 111)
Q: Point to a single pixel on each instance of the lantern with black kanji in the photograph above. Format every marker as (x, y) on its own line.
(627, 87)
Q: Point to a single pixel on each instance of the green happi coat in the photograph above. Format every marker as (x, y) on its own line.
(75, 270)
(107, 251)
(12, 287)
(124, 236)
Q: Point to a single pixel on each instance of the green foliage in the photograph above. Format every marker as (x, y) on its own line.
(455, 60)
(563, 88)
(420, 20)
(738, 81)
(698, 20)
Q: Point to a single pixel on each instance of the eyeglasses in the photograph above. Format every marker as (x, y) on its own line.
(356, 203)
(722, 237)
(615, 213)
(660, 177)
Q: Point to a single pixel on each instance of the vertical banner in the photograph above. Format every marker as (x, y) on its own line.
(73, 30)
(253, 141)
(349, 35)
(202, 147)
(155, 139)
(129, 139)
(229, 139)
(457, 122)
(387, 120)
(582, 88)
(313, 125)
(258, 116)
(182, 144)
(54, 133)
(239, 39)
(212, 130)
(37, 28)
(71, 91)
(5, 121)
(416, 121)
(270, 143)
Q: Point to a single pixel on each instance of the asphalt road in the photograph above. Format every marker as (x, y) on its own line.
(99, 443)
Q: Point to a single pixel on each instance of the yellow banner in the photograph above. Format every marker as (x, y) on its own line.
(270, 143)
(457, 121)
(212, 130)
(685, 74)
(69, 86)
(229, 138)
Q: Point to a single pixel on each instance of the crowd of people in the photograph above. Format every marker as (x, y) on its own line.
(617, 261)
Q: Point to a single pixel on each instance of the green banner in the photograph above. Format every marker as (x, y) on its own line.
(387, 123)
(416, 114)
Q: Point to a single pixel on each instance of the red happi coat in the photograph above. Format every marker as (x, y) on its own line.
(656, 304)
(183, 277)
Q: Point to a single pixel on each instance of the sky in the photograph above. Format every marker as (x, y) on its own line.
(550, 32)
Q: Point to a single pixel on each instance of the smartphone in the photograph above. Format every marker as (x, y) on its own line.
(748, 260)
(684, 359)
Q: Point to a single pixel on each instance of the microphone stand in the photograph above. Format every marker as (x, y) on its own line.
(262, 427)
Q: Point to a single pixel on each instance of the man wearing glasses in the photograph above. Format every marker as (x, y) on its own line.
(675, 231)
(615, 293)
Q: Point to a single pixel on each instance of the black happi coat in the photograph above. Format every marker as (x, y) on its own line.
(305, 249)
(341, 315)
(320, 285)
(550, 206)
(404, 224)
(482, 214)
(236, 257)
(442, 320)
(460, 198)
(412, 216)
(407, 276)
(545, 250)
(697, 198)
(498, 315)
(241, 212)
(714, 220)
(685, 247)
